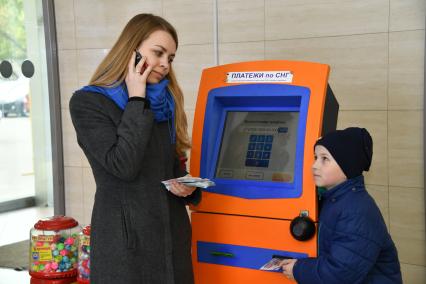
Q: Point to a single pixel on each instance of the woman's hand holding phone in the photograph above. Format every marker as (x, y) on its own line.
(138, 71)
(138, 58)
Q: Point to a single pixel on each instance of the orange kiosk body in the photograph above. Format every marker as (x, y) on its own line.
(254, 129)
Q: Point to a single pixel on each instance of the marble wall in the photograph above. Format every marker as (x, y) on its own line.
(375, 50)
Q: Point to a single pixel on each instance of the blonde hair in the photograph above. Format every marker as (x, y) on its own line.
(113, 69)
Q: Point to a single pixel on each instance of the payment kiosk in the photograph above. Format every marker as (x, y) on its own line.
(254, 129)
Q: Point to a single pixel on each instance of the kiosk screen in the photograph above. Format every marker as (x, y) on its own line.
(258, 146)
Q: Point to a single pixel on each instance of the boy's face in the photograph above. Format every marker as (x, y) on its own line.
(327, 172)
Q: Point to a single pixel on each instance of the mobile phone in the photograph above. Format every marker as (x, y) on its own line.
(137, 59)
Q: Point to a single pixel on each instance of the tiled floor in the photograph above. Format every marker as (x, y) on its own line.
(14, 227)
(10, 276)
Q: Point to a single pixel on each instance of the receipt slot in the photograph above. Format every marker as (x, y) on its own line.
(254, 129)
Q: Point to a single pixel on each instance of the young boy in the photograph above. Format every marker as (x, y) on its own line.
(354, 245)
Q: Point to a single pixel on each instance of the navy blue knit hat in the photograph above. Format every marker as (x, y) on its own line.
(352, 148)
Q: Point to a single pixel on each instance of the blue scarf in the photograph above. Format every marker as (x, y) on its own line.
(160, 99)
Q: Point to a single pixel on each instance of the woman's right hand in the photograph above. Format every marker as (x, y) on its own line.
(135, 80)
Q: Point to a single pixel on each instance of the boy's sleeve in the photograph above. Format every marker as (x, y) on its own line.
(350, 258)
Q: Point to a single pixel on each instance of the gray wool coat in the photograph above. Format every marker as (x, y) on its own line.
(140, 232)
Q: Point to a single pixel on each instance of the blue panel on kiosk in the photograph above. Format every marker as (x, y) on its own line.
(239, 256)
(266, 101)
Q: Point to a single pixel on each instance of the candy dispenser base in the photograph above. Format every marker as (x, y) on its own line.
(53, 281)
(83, 281)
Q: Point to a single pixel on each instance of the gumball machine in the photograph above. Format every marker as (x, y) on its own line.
(84, 256)
(54, 250)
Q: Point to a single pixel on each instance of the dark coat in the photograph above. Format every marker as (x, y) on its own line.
(140, 232)
(354, 244)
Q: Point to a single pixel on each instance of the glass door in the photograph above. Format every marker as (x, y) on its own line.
(25, 130)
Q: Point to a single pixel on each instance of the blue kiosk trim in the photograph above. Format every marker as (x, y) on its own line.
(239, 256)
(252, 98)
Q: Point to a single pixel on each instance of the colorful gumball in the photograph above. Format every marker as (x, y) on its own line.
(54, 265)
(69, 241)
(60, 246)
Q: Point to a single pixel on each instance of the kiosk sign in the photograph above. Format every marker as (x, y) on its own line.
(259, 77)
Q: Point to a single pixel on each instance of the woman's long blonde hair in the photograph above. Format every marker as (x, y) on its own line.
(113, 68)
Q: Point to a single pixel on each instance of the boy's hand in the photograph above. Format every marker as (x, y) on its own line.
(287, 266)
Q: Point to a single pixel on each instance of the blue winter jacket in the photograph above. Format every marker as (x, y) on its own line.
(354, 244)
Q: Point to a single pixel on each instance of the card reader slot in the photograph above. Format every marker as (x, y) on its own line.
(219, 253)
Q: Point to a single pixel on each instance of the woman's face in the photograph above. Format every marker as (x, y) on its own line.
(159, 49)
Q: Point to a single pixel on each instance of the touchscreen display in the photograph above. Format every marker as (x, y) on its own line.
(258, 146)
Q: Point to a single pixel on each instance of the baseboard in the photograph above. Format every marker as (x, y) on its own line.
(17, 204)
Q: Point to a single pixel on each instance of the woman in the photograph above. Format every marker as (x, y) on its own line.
(131, 125)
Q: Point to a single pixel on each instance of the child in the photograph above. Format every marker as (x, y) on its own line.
(354, 245)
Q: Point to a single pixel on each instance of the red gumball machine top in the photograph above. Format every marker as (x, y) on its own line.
(55, 223)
